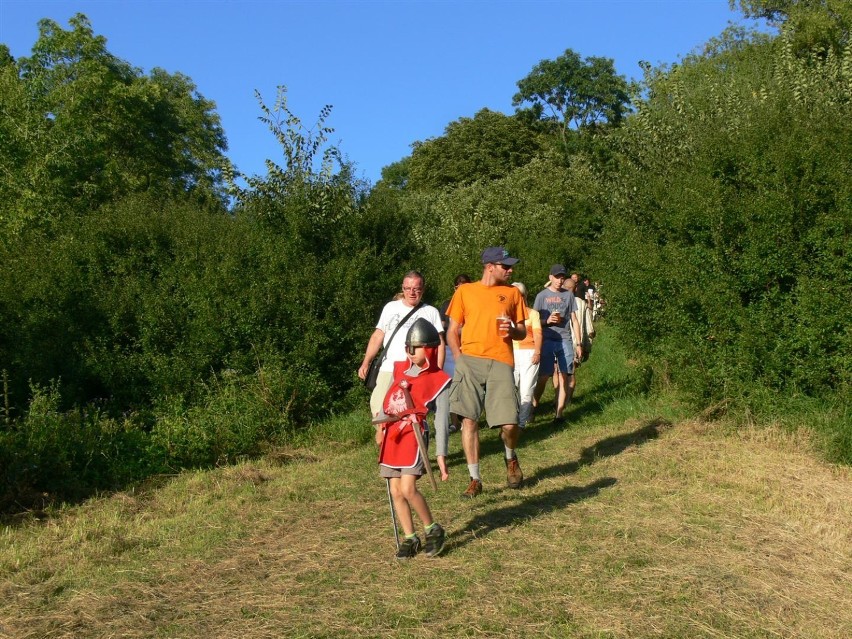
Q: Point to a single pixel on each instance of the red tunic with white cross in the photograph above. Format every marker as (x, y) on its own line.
(399, 445)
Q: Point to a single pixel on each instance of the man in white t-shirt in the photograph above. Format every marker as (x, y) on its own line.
(393, 313)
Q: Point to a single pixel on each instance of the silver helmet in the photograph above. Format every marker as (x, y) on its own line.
(421, 333)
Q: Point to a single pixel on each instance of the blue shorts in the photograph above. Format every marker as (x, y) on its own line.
(556, 353)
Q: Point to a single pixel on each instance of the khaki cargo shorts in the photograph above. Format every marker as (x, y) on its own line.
(484, 384)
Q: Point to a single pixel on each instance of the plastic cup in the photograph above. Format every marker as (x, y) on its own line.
(501, 328)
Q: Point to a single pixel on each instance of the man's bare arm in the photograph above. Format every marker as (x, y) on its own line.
(454, 338)
(373, 348)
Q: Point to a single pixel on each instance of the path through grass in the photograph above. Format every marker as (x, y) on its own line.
(633, 522)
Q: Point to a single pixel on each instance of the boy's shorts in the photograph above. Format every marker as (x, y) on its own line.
(390, 472)
(556, 352)
(480, 383)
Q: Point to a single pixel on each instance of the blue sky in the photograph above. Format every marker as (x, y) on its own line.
(395, 72)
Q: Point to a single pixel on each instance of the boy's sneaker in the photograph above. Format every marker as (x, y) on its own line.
(408, 548)
(514, 476)
(473, 489)
(435, 541)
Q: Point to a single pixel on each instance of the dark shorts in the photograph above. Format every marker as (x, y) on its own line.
(484, 384)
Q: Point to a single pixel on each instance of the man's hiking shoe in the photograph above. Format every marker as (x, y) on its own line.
(473, 490)
(514, 476)
(435, 541)
(408, 548)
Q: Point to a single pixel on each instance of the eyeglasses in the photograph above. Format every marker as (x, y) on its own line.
(411, 289)
(505, 267)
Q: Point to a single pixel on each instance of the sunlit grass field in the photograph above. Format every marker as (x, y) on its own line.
(635, 520)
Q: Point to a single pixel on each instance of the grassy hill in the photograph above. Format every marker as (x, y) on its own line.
(635, 521)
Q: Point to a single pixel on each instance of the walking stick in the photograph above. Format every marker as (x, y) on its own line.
(419, 436)
(393, 515)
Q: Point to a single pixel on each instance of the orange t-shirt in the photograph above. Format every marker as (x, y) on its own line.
(476, 306)
(533, 327)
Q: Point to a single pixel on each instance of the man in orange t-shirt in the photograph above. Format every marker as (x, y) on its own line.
(492, 314)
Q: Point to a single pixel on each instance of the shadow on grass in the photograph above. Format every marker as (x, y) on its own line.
(607, 447)
(593, 401)
(517, 513)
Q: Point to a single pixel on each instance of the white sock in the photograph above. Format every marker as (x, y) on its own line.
(473, 469)
(510, 452)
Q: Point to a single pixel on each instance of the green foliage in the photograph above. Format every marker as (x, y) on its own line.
(215, 333)
(80, 127)
(813, 26)
(575, 93)
(486, 147)
(136, 300)
(335, 257)
(542, 211)
(235, 415)
(50, 453)
(731, 220)
(395, 175)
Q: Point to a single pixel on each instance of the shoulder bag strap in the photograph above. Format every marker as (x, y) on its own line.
(398, 326)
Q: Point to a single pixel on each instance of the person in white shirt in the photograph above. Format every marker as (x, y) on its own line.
(413, 286)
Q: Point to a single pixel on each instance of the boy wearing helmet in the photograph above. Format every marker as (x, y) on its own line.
(416, 382)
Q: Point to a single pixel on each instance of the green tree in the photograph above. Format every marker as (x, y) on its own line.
(80, 127)
(395, 175)
(725, 250)
(337, 259)
(813, 24)
(575, 93)
(486, 147)
(543, 211)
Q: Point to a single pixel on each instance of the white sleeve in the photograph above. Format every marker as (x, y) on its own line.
(385, 317)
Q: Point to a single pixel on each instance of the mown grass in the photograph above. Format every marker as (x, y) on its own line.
(635, 521)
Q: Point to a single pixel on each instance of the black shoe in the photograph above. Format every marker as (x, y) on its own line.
(408, 548)
(435, 541)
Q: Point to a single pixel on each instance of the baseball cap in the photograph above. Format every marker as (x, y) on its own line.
(557, 269)
(494, 254)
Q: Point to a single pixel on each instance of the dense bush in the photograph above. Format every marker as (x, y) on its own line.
(206, 335)
(725, 251)
(543, 211)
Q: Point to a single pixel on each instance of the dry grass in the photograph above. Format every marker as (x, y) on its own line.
(637, 529)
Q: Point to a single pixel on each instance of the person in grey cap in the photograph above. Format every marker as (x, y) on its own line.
(561, 333)
(492, 314)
